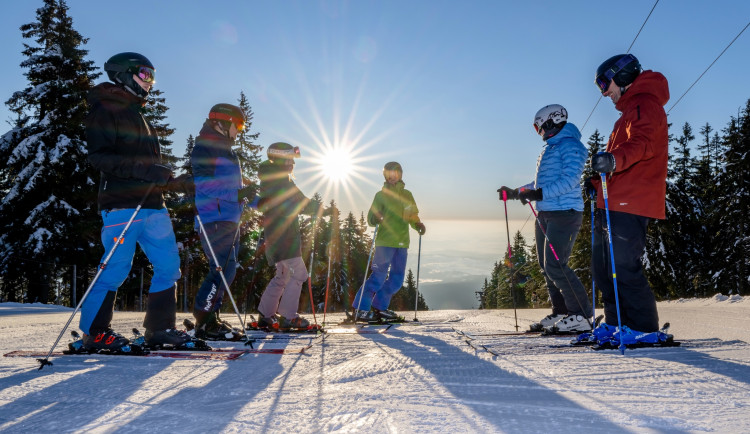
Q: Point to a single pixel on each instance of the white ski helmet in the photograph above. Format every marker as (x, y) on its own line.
(551, 118)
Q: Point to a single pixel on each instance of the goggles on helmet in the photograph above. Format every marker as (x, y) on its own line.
(602, 80)
(146, 74)
(284, 153)
(238, 123)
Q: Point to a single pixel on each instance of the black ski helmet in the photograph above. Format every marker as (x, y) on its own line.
(622, 68)
(279, 152)
(392, 166)
(121, 67)
(228, 113)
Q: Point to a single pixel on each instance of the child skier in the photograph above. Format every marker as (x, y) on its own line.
(219, 198)
(281, 203)
(393, 210)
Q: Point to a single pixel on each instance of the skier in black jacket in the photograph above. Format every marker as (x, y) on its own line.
(124, 147)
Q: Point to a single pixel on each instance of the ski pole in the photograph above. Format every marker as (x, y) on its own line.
(309, 272)
(416, 295)
(362, 290)
(612, 256)
(328, 281)
(102, 266)
(221, 272)
(510, 255)
(592, 198)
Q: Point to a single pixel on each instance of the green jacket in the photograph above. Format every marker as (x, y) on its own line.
(395, 210)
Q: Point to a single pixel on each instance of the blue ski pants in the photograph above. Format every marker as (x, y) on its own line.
(152, 230)
(388, 271)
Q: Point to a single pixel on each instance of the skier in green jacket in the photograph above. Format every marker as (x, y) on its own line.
(392, 211)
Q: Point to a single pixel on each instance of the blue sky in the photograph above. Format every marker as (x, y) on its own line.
(447, 88)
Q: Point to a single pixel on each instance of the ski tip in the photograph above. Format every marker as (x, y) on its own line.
(43, 363)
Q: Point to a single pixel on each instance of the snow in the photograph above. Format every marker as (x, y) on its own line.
(413, 378)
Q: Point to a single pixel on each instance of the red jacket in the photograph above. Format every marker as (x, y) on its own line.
(640, 145)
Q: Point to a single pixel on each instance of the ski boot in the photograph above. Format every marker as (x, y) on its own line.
(546, 322)
(266, 323)
(296, 324)
(387, 316)
(172, 339)
(214, 329)
(570, 324)
(105, 342)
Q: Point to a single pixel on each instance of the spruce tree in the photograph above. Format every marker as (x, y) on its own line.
(671, 245)
(48, 211)
(734, 208)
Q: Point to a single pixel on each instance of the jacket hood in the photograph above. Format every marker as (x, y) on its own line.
(113, 94)
(397, 186)
(650, 83)
(569, 131)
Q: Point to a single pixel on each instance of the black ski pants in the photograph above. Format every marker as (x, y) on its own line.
(567, 294)
(637, 301)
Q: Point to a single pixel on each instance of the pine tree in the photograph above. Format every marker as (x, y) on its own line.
(48, 211)
(670, 245)
(734, 208)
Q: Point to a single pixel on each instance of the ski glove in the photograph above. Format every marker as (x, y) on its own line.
(420, 228)
(511, 193)
(182, 184)
(159, 174)
(248, 193)
(588, 187)
(603, 162)
(530, 195)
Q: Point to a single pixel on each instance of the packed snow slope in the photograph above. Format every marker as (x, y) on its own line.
(412, 378)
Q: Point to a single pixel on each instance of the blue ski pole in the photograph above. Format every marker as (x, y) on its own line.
(592, 197)
(612, 257)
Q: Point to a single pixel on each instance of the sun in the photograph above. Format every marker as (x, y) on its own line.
(337, 165)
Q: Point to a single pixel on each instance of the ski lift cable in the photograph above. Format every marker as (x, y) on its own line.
(631, 46)
(709, 67)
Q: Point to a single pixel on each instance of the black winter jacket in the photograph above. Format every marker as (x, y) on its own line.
(122, 146)
(281, 203)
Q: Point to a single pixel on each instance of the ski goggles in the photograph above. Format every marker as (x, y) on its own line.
(287, 154)
(605, 78)
(146, 74)
(545, 126)
(238, 123)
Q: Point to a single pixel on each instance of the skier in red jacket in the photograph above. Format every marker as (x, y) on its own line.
(635, 163)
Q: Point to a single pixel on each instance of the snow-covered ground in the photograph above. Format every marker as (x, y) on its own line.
(424, 378)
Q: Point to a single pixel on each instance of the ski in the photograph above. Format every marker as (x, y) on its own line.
(350, 321)
(527, 333)
(195, 355)
(360, 330)
(252, 326)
